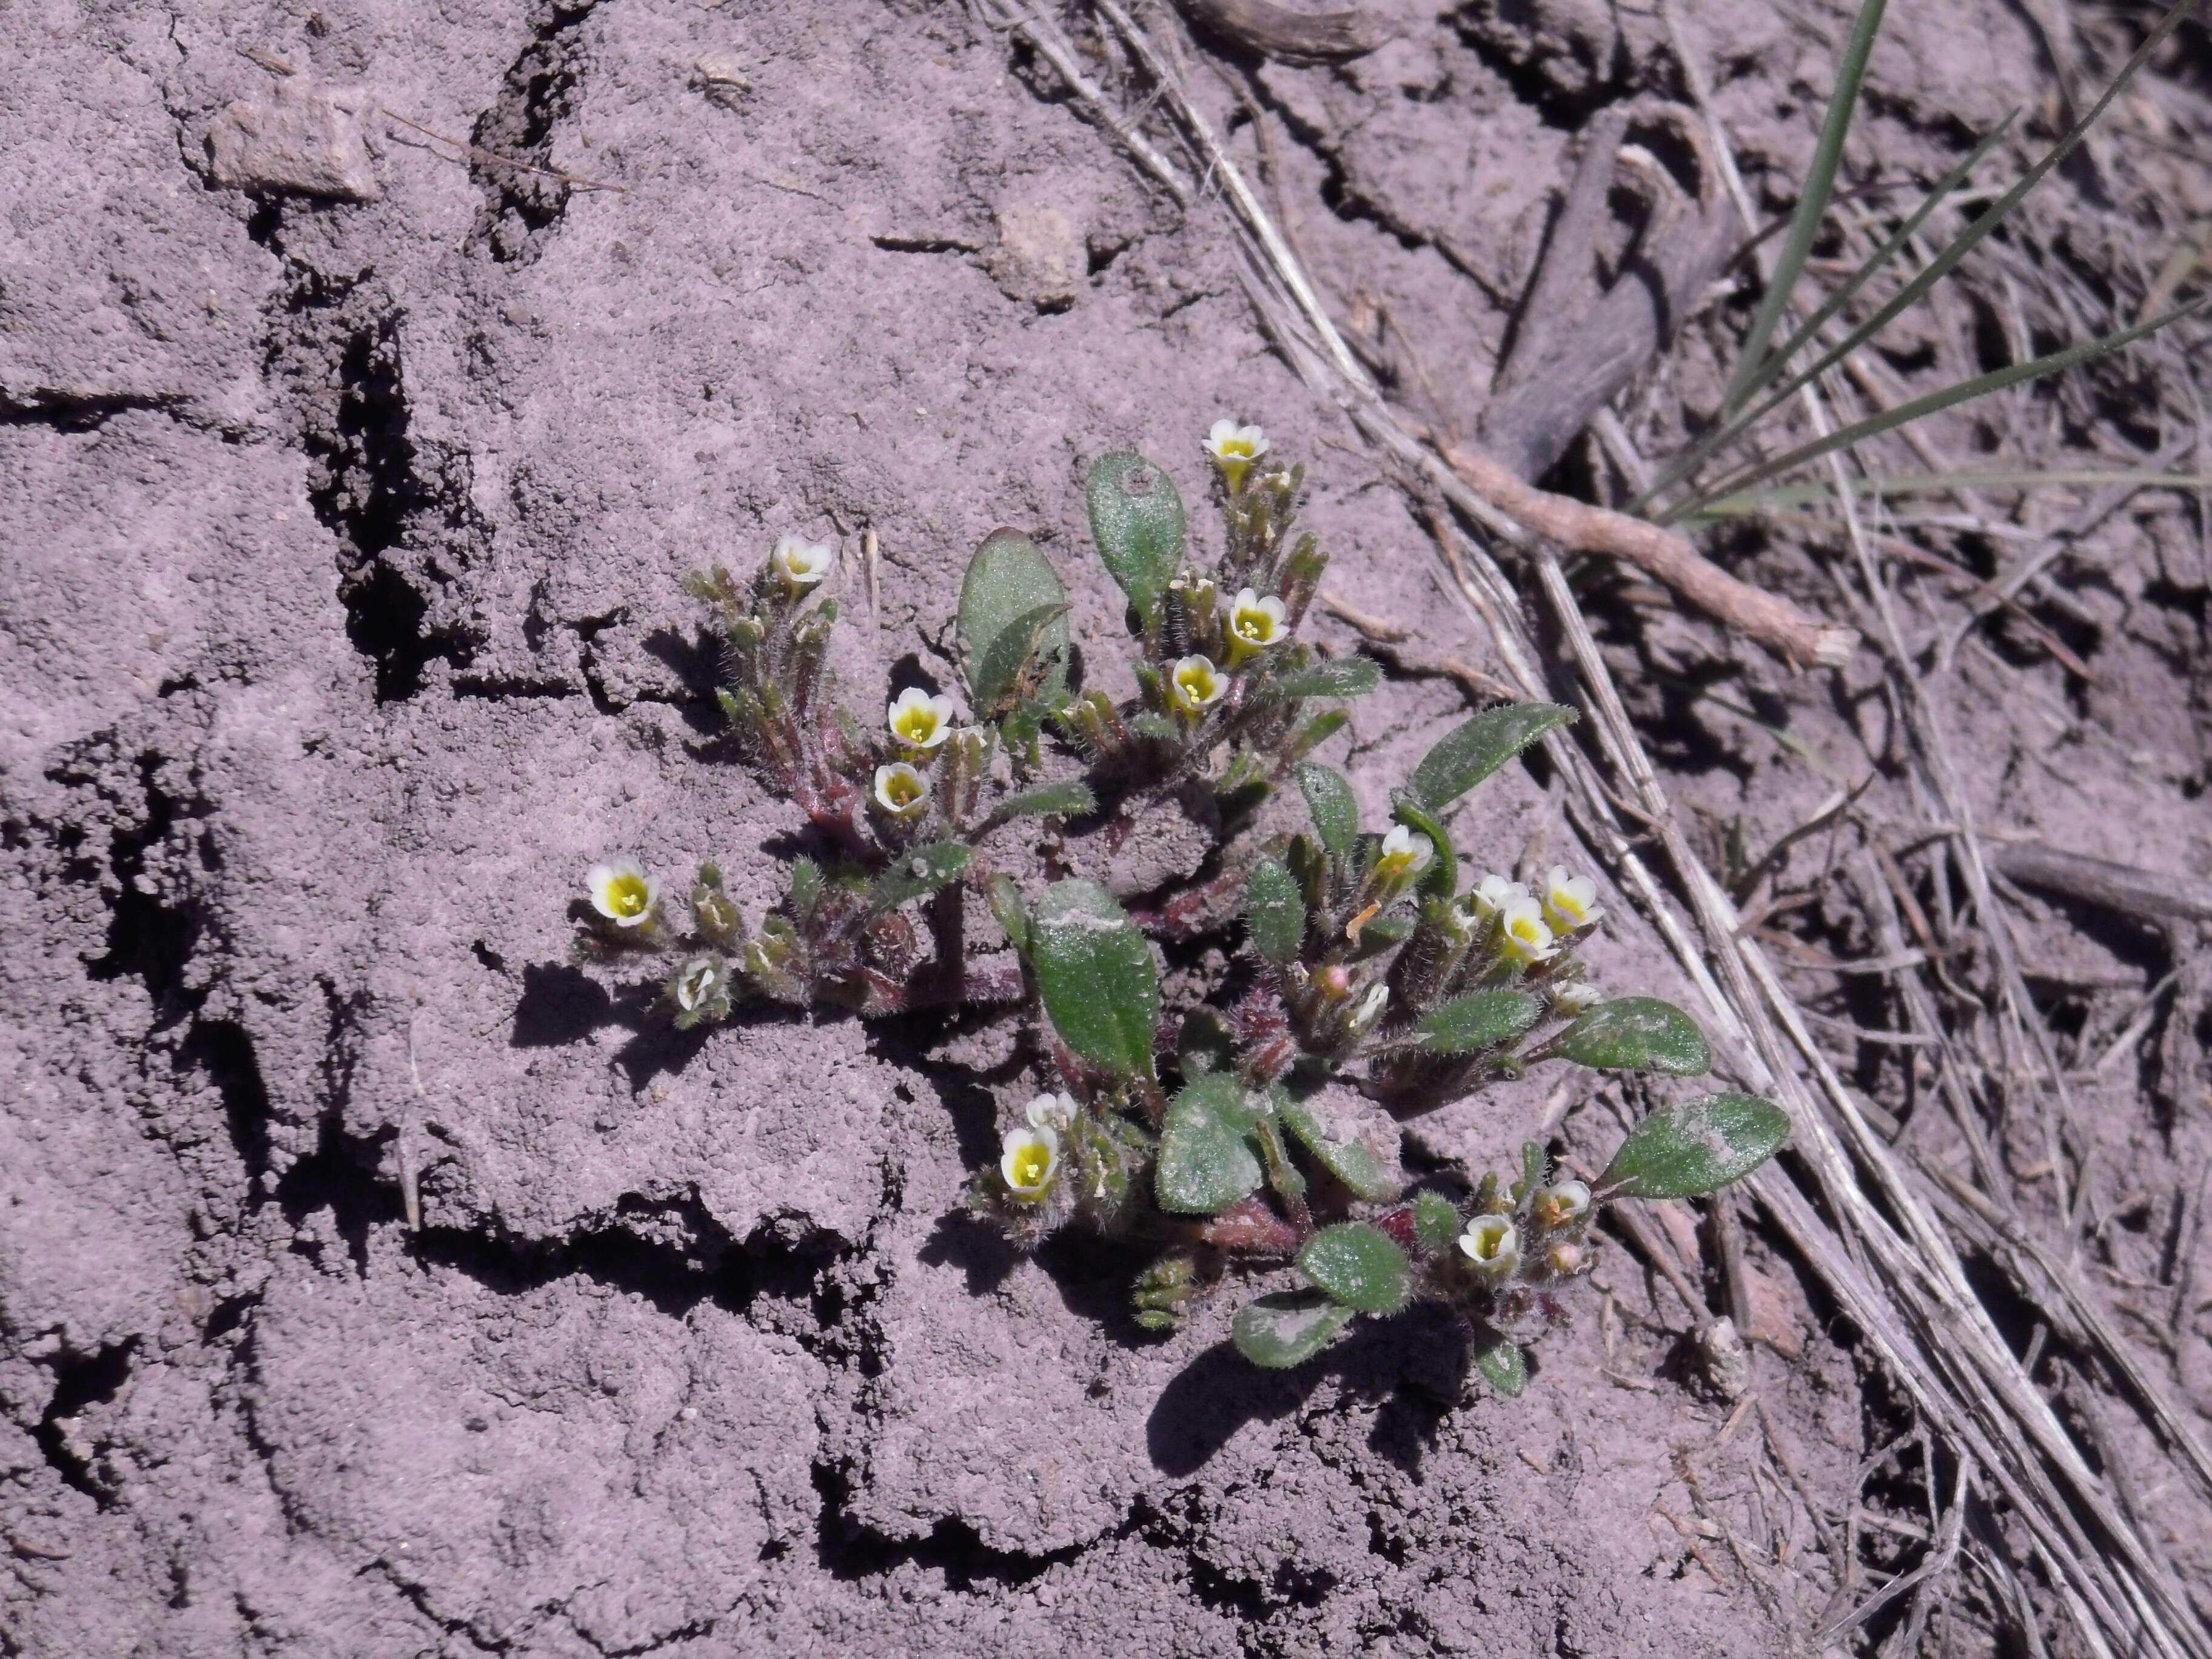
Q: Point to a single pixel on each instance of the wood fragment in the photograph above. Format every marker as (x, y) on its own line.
(1291, 36)
(1802, 639)
(2148, 895)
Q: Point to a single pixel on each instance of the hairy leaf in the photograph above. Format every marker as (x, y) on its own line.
(1696, 1148)
(1207, 1161)
(1287, 1328)
(1469, 1024)
(1340, 676)
(1635, 1034)
(1008, 580)
(1470, 752)
(921, 872)
(1351, 1162)
(1274, 914)
(1499, 1359)
(1360, 1265)
(1136, 517)
(1096, 974)
(1436, 1222)
(1071, 798)
(1336, 809)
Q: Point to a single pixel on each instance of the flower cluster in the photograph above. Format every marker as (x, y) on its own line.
(1366, 969)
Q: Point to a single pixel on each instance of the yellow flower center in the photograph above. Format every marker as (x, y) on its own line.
(917, 725)
(628, 895)
(1254, 626)
(903, 789)
(1241, 449)
(1197, 683)
(1032, 1163)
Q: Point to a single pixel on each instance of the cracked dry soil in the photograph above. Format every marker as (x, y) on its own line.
(340, 630)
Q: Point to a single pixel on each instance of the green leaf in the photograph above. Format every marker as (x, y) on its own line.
(1274, 914)
(1287, 1328)
(1009, 580)
(1351, 1162)
(1499, 1359)
(1469, 753)
(1315, 732)
(1336, 809)
(1072, 799)
(1011, 912)
(921, 872)
(1136, 517)
(1360, 1265)
(1096, 974)
(1207, 1157)
(805, 887)
(1441, 879)
(1688, 1150)
(1469, 1024)
(1436, 1222)
(1635, 1034)
(1341, 677)
(999, 676)
(1812, 204)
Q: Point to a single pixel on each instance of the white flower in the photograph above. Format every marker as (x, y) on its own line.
(1256, 623)
(919, 720)
(1053, 1112)
(623, 892)
(900, 790)
(1570, 901)
(700, 981)
(1575, 996)
(801, 564)
(1493, 893)
(1370, 1010)
(1521, 934)
(1405, 852)
(1194, 684)
(1562, 1202)
(1231, 445)
(1029, 1161)
(1492, 1243)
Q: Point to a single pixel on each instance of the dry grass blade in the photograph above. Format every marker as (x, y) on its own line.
(1886, 1257)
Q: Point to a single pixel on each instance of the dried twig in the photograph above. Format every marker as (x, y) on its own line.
(1295, 37)
(477, 154)
(2149, 895)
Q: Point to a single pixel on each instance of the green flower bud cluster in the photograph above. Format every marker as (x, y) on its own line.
(1368, 962)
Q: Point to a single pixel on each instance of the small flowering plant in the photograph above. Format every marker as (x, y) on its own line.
(1251, 1128)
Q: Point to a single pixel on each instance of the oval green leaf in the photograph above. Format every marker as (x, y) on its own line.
(1274, 913)
(1336, 809)
(1469, 1024)
(1469, 753)
(1685, 1150)
(1436, 1222)
(1340, 676)
(1635, 1034)
(1096, 974)
(1360, 1265)
(1008, 580)
(1136, 520)
(1287, 1328)
(1351, 1162)
(1070, 799)
(1499, 1359)
(1207, 1160)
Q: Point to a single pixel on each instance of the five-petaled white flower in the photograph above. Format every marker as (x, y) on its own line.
(1370, 1010)
(1405, 852)
(700, 981)
(1234, 448)
(900, 790)
(1521, 934)
(1256, 623)
(1194, 684)
(623, 892)
(1570, 901)
(1053, 1112)
(1030, 1159)
(1493, 894)
(799, 563)
(1563, 1201)
(1492, 1243)
(919, 720)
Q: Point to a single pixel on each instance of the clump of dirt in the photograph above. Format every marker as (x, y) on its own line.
(342, 631)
